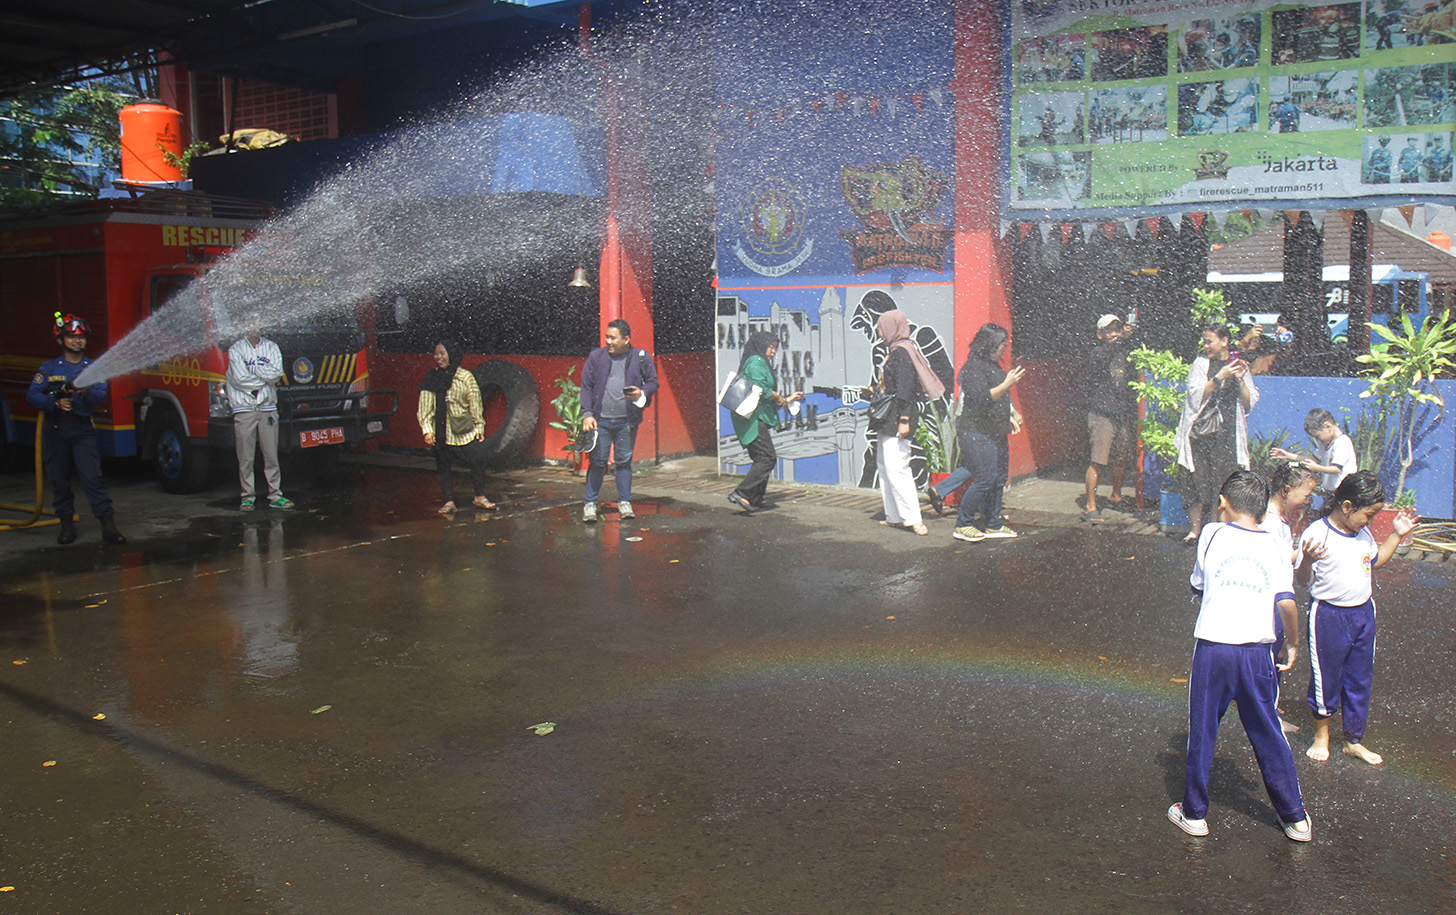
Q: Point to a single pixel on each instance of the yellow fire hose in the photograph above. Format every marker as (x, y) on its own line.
(1435, 537)
(36, 510)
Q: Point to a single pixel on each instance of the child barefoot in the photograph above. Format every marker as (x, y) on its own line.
(1290, 487)
(1339, 554)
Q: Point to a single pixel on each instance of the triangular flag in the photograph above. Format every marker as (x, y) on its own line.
(1066, 233)
(1154, 225)
(1347, 217)
(892, 106)
(1005, 227)
(1375, 216)
(1319, 218)
(1176, 221)
(1110, 230)
(918, 100)
(1267, 215)
(1408, 212)
(874, 104)
(1291, 218)
(1219, 218)
(1131, 226)
(839, 99)
(1025, 230)
(1087, 229)
(1197, 220)
(748, 115)
(1046, 231)
(1429, 213)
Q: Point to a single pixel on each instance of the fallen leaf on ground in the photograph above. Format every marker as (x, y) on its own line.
(321, 708)
(99, 716)
(889, 617)
(634, 539)
(542, 729)
(17, 663)
(48, 763)
(1180, 680)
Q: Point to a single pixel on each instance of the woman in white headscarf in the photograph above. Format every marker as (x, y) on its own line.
(908, 376)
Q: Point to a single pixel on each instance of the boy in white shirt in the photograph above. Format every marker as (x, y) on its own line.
(1334, 455)
(1240, 573)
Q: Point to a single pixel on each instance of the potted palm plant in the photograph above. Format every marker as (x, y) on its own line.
(1402, 369)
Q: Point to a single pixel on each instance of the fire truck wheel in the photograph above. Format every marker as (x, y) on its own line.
(181, 466)
(498, 377)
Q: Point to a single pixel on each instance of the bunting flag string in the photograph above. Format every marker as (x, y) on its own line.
(889, 106)
(1197, 220)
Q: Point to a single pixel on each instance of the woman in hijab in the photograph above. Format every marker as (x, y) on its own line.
(752, 430)
(987, 418)
(908, 377)
(453, 422)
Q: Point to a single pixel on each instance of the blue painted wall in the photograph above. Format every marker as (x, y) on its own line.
(1284, 401)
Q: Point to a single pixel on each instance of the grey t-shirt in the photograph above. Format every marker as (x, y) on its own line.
(614, 405)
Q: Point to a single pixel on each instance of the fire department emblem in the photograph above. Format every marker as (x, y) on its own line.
(895, 202)
(1212, 163)
(774, 221)
(302, 370)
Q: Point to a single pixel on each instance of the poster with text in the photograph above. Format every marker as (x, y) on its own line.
(1119, 106)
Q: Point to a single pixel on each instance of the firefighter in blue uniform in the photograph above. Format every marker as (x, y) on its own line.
(67, 435)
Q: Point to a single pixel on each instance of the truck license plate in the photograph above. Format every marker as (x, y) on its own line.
(312, 438)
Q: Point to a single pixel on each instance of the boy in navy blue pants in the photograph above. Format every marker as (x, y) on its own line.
(1241, 573)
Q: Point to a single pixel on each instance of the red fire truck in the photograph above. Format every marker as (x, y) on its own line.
(115, 262)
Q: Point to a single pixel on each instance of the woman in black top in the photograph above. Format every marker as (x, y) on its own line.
(987, 418)
(908, 376)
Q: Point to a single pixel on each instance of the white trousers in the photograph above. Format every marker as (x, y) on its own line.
(897, 484)
(252, 428)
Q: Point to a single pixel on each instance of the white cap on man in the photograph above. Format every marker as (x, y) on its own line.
(1107, 321)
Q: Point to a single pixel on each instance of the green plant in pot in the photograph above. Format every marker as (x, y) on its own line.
(567, 405)
(1402, 369)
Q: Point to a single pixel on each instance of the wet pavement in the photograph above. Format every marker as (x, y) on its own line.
(331, 710)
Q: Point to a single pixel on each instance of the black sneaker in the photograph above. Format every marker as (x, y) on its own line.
(936, 502)
(747, 506)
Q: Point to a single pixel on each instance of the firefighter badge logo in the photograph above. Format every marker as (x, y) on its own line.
(774, 220)
(302, 370)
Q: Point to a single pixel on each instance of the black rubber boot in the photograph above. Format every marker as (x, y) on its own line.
(109, 533)
(68, 531)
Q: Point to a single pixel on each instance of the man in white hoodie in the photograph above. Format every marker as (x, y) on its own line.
(254, 366)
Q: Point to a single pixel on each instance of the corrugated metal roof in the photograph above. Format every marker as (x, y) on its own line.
(1263, 252)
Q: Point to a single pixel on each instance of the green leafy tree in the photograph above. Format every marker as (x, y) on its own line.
(1402, 370)
(58, 142)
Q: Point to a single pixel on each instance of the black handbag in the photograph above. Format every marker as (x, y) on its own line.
(1208, 423)
(881, 404)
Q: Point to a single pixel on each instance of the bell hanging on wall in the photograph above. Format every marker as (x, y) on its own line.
(579, 280)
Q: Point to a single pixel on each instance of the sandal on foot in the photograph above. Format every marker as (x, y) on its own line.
(920, 529)
(447, 509)
(483, 502)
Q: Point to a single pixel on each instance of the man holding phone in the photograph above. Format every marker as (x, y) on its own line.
(617, 384)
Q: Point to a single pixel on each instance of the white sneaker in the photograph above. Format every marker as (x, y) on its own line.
(1303, 831)
(625, 510)
(969, 534)
(589, 512)
(1190, 826)
(1000, 533)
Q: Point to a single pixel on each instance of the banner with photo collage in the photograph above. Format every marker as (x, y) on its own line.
(1122, 106)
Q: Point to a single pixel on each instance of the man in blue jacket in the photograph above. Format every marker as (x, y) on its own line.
(67, 435)
(617, 383)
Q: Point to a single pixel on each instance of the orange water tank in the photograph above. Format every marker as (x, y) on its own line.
(147, 128)
(1440, 239)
